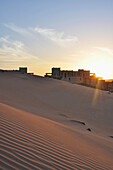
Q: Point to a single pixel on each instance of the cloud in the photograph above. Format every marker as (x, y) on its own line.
(107, 50)
(19, 30)
(58, 37)
(15, 50)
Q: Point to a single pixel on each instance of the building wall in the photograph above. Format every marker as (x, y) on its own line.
(66, 75)
(83, 73)
(92, 82)
(81, 77)
(56, 73)
(23, 69)
(76, 80)
(110, 86)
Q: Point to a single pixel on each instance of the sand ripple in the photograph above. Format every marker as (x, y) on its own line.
(32, 142)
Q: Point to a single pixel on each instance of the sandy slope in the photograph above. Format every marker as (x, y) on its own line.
(57, 139)
(29, 141)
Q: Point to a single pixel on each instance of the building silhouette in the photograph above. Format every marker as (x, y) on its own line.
(83, 77)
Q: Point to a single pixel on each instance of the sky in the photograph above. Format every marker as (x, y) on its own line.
(71, 34)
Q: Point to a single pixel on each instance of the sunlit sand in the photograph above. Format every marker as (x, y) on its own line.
(52, 124)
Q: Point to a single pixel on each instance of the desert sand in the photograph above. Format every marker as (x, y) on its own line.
(44, 124)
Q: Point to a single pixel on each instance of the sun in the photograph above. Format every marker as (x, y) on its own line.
(101, 66)
(102, 69)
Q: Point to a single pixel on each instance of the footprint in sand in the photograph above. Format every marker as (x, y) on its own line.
(89, 129)
(77, 121)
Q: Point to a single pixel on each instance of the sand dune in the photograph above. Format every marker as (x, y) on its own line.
(44, 121)
(29, 141)
(58, 100)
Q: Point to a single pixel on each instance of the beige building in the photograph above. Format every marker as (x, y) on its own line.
(81, 76)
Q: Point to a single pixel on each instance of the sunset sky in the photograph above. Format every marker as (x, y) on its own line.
(70, 34)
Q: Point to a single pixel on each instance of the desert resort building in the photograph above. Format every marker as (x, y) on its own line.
(21, 70)
(82, 77)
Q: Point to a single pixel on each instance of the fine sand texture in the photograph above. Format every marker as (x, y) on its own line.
(45, 124)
